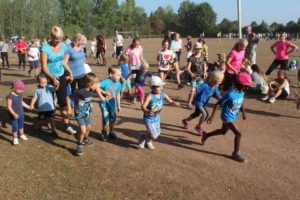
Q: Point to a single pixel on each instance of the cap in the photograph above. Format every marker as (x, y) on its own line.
(18, 84)
(244, 79)
(197, 45)
(156, 81)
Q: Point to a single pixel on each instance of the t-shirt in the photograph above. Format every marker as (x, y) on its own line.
(76, 61)
(175, 46)
(281, 49)
(141, 77)
(118, 40)
(16, 103)
(35, 52)
(113, 88)
(124, 70)
(55, 59)
(83, 105)
(45, 98)
(237, 59)
(189, 46)
(203, 94)
(231, 104)
(165, 58)
(155, 104)
(21, 46)
(197, 66)
(260, 82)
(3, 47)
(134, 55)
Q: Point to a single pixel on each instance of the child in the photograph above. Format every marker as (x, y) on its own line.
(189, 46)
(246, 66)
(83, 109)
(280, 87)
(231, 103)
(197, 69)
(222, 66)
(151, 108)
(111, 89)
(203, 94)
(44, 96)
(15, 106)
(33, 57)
(126, 83)
(259, 78)
(139, 81)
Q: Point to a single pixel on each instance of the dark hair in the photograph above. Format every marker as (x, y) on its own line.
(89, 79)
(173, 36)
(134, 41)
(201, 40)
(164, 41)
(113, 69)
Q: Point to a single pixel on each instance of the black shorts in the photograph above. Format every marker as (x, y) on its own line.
(119, 50)
(284, 94)
(163, 71)
(45, 115)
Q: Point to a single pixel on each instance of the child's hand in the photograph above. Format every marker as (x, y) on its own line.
(209, 120)
(31, 107)
(244, 117)
(177, 104)
(151, 113)
(119, 109)
(16, 116)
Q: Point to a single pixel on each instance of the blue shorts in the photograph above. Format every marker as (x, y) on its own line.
(84, 121)
(34, 64)
(195, 83)
(154, 129)
(109, 114)
(17, 123)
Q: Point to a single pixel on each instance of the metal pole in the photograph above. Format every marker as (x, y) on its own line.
(239, 18)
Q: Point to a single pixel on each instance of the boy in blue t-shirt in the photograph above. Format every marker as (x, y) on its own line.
(126, 83)
(231, 103)
(111, 88)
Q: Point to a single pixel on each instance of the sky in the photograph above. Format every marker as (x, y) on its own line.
(252, 10)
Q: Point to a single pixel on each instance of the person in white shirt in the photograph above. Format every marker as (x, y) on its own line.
(4, 51)
(33, 57)
(118, 43)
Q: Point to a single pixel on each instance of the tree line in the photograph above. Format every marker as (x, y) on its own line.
(92, 17)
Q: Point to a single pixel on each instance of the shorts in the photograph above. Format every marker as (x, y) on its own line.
(284, 94)
(34, 64)
(200, 111)
(84, 121)
(154, 129)
(17, 124)
(44, 115)
(195, 83)
(119, 50)
(109, 114)
(163, 71)
(100, 51)
(126, 84)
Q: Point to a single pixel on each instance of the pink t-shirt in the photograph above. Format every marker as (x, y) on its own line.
(281, 50)
(134, 55)
(236, 61)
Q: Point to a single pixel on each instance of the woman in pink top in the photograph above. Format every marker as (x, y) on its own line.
(135, 55)
(281, 49)
(233, 63)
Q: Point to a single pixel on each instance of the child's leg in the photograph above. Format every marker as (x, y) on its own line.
(222, 131)
(82, 133)
(238, 136)
(203, 117)
(195, 114)
(14, 123)
(128, 85)
(21, 124)
(192, 93)
(52, 124)
(88, 128)
(162, 75)
(140, 93)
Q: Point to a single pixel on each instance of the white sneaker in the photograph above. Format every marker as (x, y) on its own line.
(23, 137)
(71, 131)
(142, 141)
(150, 145)
(15, 141)
(265, 98)
(272, 100)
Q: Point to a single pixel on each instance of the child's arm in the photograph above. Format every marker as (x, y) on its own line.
(32, 103)
(209, 120)
(145, 104)
(205, 70)
(10, 109)
(99, 92)
(119, 101)
(171, 102)
(189, 69)
(243, 112)
(26, 105)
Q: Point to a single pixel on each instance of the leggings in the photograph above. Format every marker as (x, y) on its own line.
(200, 111)
(4, 56)
(77, 82)
(283, 65)
(140, 92)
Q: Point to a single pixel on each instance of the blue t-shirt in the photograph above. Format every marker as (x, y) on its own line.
(16, 103)
(124, 70)
(231, 104)
(76, 61)
(141, 77)
(113, 88)
(55, 59)
(203, 94)
(83, 105)
(45, 98)
(155, 104)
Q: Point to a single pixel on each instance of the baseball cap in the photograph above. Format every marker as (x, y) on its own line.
(244, 79)
(18, 84)
(156, 81)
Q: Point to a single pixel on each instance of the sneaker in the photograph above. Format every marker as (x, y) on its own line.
(180, 86)
(103, 136)
(265, 98)
(79, 150)
(142, 141)
(185, 124)
(112, 136)
(199, 130)
(150, 145)
(87, 142)
(15, 141)
(71, 131)
(272, 100)
(23, 137)
(238, 157)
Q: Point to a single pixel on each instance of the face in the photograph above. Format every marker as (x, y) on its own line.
(280, 76)
(55, 41)
(136, 43)
(242, 46)
(115, 76)
(42, 82)
(18, 91)
(282, 36)
(156, 89)
(165, 45)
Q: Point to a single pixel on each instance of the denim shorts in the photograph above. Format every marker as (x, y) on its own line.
(109, 114)
(83, 121)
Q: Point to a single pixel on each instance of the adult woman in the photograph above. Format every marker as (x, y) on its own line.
(233, 63)
(75, 58)
(135, 54)
(4, 51)
(281, 50)
(52, 57)
(101, 50)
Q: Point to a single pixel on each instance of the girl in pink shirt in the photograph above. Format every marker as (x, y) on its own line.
(281, 49)
(135, 54)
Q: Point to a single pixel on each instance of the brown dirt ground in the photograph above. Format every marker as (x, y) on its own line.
(179, 168)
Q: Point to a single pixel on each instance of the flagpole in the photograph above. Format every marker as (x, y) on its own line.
(239, 17)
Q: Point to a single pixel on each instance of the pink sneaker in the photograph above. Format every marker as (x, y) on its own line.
(185, 124)
(200, 130)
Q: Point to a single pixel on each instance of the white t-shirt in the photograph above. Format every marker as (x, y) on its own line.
(35, 52)
(118, 40)
(164, 59)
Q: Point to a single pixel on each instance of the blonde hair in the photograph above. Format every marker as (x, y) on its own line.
(89, 79)
(215, 76)
(112, 69)
(123, 58)
(77, 37)
(240, 43)
(56, 33)
(145, 65)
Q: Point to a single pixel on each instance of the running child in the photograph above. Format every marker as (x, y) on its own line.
(15, 106)
(201, 98)
(126, 83)
(152, 108)
(232, 103)
(111, 88)
(44, 95)
(33, 57)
